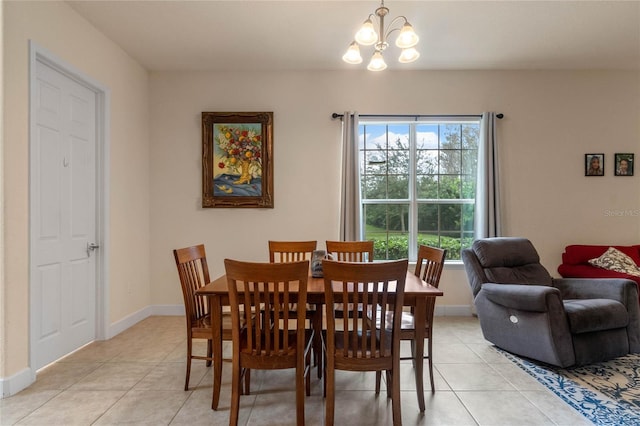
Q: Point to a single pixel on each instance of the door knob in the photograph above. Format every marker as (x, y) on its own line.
(91, 247)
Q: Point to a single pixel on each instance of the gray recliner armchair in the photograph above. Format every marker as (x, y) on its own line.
(563, 322)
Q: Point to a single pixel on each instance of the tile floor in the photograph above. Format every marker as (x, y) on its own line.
(138, 377)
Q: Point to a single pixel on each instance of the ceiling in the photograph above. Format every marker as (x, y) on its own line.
(242, 35)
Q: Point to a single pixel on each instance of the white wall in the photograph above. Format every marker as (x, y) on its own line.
(552, 118)
(56, 27)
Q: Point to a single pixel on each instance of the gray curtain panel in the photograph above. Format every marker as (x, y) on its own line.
(350, 210)
(487, 215)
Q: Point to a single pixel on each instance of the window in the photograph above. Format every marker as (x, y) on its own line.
(418, 184)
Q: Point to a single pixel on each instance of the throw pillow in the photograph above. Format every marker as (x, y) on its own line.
(615, 260)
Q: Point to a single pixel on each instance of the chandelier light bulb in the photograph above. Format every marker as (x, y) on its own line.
(407, 37)
(353, 54)
(408, 55)
(367, 35)
(377, 62)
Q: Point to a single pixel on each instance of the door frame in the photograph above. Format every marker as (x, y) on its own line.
(38, 53)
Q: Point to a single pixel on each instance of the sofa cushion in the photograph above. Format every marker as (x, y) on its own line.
(615, 260)
(586, 315)
(576, 254)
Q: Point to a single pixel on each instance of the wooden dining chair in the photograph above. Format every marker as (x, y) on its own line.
(269, 341)
(194, 273)
(429, 269)
(291, 251)
(294, 251)
(351, 251)
(355, 345)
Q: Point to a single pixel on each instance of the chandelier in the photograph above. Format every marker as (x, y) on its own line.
(367, 36)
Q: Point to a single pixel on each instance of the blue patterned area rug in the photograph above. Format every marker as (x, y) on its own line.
(606, 393)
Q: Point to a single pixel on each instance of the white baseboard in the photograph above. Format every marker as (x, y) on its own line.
(19, 381)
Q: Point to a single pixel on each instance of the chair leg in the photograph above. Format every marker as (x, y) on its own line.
(389, 377)
(317, 339)
(330, 389)
(395, 390)
(324, 368)
(433, 388)
(378, 380)
(301, 375)
(307, 373)
(413, 352)
(324, 378)
(247, 381)
(418, 362)
(236, 386)
(186, 380)
(209, 352)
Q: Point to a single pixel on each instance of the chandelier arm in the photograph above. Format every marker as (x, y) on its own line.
(390, 30)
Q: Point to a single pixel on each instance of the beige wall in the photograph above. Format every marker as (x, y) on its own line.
(56, 27)
(3, 325)
(552, 118)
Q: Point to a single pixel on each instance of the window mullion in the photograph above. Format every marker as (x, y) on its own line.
(413, 193)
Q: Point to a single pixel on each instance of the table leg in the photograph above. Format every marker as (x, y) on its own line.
(420, 318)
(216, 340)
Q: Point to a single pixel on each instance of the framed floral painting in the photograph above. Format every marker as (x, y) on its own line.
(237, 167)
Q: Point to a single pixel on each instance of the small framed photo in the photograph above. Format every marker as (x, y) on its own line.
(624, 164)
(594, 164)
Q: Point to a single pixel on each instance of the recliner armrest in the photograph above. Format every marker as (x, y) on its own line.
(621, 289)
(533, 298)
(595, 288)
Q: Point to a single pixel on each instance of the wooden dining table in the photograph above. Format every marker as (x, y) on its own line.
(416, 294)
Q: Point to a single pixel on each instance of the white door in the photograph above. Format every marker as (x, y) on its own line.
(63, 216)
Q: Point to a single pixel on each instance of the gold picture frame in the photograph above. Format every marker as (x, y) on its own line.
(237, 159)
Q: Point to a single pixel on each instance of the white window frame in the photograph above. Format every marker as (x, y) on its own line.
(412, 201)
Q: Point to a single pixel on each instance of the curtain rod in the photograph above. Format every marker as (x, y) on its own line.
(336, 115)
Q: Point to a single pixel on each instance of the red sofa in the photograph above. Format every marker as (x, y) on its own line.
(575, 262)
